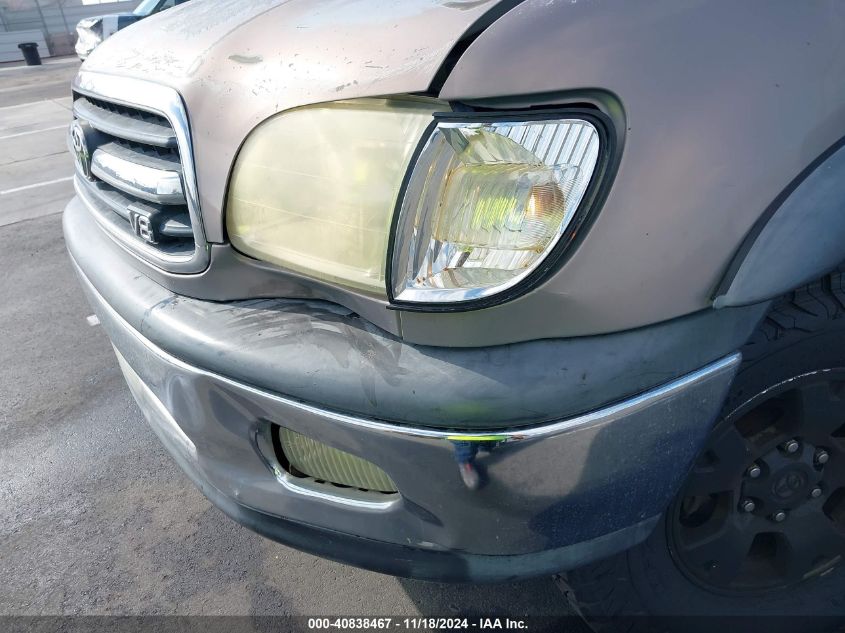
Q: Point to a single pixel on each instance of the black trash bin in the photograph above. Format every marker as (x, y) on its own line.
(30, 53)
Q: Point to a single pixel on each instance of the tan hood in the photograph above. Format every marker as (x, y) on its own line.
(237, 62)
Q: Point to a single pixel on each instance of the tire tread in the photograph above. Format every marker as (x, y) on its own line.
(805, 310)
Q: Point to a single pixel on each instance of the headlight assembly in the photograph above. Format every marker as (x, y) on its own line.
(480, 204)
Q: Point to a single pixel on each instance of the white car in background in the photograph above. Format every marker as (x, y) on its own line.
(92, 31)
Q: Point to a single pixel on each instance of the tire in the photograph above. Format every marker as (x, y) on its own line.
(650, 588)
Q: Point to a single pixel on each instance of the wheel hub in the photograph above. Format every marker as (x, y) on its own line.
(786, 480)
(764, 507)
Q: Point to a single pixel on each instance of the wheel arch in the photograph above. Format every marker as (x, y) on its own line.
(798, 238)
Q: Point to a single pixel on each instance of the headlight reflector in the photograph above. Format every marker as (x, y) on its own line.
(486, 203)
(313, 189)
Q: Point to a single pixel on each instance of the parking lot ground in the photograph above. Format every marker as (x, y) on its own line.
(25, 84)
(95, 518)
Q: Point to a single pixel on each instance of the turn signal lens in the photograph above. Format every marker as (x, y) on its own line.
(486, 203)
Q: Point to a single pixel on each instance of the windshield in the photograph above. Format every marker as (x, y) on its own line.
(146, 7)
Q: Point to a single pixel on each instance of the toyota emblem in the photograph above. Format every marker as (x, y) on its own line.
(79, 147)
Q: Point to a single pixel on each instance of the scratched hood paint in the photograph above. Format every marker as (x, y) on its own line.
(236, 63)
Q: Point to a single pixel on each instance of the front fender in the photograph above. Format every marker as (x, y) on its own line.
(725, 105)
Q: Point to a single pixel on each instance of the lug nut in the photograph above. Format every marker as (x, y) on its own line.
(747, 505)
(790, 446)
(779, 516)
(754, 471)
(816, 492)
(822, 457)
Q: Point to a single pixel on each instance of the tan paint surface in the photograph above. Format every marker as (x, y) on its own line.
(236, 63)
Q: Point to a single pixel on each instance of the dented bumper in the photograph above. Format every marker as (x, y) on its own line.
(553, 494)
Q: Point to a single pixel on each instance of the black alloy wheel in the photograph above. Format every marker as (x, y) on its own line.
(764, 506)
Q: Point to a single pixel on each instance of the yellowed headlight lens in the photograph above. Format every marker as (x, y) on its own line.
(313, 189)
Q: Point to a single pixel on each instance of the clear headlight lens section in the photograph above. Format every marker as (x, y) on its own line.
(314, 189)
(486, 203)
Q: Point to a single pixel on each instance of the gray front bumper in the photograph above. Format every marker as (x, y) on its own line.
(556, 495)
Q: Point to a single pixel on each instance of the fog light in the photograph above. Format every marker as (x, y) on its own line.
(310, 458)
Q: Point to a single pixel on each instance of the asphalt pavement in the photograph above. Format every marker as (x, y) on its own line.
(95, 518)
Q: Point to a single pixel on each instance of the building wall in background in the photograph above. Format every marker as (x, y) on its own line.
(9, 50)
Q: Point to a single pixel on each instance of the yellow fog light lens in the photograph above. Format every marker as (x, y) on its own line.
(313, 189)
(486, 203)
(324, 463)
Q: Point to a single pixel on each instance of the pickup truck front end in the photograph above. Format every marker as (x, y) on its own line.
(398, 301)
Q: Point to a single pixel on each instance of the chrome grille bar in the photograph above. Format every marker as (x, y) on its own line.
(141, 130)
(142, 181)
(175, 222)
